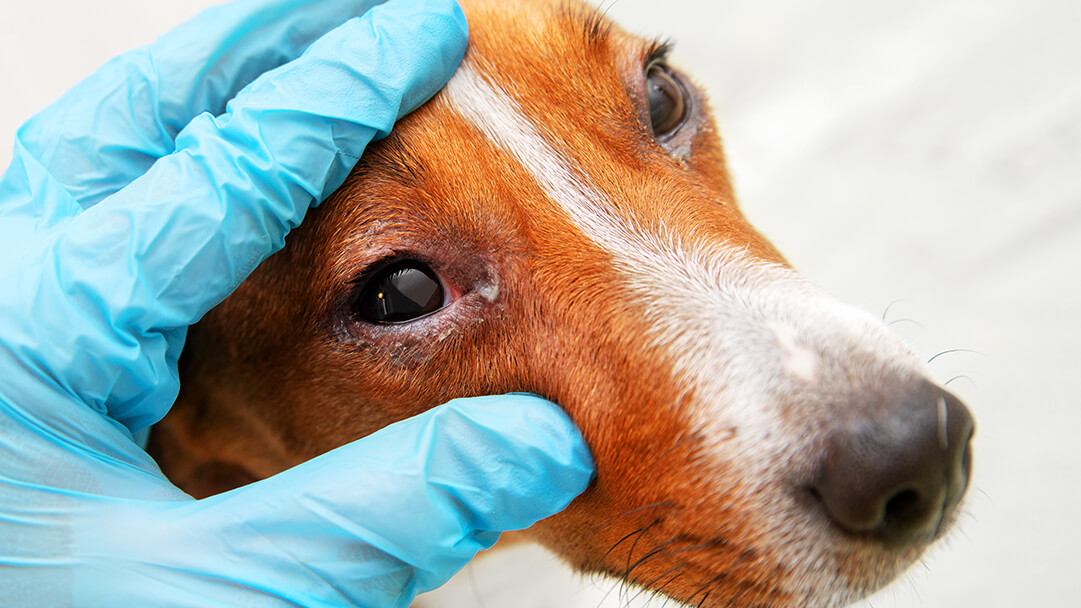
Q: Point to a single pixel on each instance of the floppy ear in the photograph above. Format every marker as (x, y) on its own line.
(210, 442)
(195, 466)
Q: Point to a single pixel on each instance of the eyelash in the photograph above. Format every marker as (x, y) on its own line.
(658, 50)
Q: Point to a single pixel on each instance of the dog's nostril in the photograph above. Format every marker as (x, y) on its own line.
(896, 470)
(903, 506)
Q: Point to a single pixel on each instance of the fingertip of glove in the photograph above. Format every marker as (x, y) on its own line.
(442, 20)
(452, 14)
(440, 33)
(534, 424)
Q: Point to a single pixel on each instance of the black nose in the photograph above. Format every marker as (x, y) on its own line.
(896, 470)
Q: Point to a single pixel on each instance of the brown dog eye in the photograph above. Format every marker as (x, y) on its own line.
(667, 100)
(402, 292)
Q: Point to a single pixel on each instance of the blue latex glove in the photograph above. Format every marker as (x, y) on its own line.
(134, 204)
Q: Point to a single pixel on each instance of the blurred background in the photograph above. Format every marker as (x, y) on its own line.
(918, 158)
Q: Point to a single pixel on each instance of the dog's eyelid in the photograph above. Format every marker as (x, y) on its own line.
(657, 52)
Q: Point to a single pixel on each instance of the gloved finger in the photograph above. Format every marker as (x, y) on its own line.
(370, 524)
(111, 127)
(157, 255)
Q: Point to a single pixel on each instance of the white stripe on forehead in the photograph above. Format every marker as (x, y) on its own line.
(501, 120)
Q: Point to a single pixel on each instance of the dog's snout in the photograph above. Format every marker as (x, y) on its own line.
(898, 469)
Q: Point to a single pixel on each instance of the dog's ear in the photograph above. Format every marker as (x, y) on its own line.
(208, 444)
(216, 476)
(195, 466)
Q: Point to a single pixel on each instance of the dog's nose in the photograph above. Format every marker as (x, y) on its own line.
(897, 471)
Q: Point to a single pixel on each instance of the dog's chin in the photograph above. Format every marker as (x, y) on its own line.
(618, 592)
(810, 590)
(805, 564)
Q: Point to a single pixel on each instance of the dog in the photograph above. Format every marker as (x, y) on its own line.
(559, 220)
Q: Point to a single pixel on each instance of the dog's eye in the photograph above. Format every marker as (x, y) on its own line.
(668, 103)
(402, 292)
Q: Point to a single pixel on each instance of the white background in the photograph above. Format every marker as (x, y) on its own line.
(924, 153)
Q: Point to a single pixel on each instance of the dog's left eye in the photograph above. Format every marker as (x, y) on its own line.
(402, 292)
(668, 104)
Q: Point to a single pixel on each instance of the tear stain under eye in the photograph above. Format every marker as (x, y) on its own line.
(682, 154)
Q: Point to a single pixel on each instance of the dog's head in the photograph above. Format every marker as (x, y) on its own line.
(559, 220)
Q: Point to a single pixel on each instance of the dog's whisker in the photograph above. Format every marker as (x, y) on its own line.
(659, 549)
(954, 350)
(675, 577)
(659, 552)
(625, 578)
(886, 312)
(906, 320)
(622, 515)
(634, 545)
(604, 598)
(958, 377)
(600, 560)
(655, 591)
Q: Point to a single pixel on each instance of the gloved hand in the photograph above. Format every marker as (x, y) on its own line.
(140, 200)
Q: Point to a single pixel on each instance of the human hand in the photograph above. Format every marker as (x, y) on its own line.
(133, 205)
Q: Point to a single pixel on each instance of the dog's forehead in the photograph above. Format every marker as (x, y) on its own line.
(550, 100)
(558, 66)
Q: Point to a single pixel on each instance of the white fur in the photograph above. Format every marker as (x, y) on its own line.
(800, 361)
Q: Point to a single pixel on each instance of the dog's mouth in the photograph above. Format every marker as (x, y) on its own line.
(806, 561)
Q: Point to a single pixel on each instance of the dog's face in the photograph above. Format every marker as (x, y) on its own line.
(559, 220)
